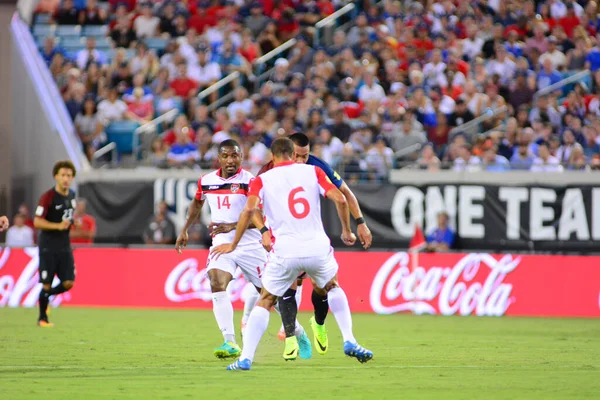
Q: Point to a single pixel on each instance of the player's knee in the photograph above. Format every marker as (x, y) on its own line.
(267, 300)
(217, 286)
(68, 285)
(47, 287)
(332, 284)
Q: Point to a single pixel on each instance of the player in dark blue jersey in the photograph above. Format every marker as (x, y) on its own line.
(294, 294)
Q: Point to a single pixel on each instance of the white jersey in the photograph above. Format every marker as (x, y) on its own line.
(227, 198)
(290, 197)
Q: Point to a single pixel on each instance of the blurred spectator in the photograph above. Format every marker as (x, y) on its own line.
(158, 154)
(301, 56)
(553, 54)
(146, 25)
(50, 49)
(122, 34)
(522, 159)
(428, 160)
(181, 125)
(268, 40)
(380, 159)
(184, 152)
(256, 21)
(442, 238)
(89, 54)
(89, 128)
(491, 161)
(461, 114)
(204, 72)
(19, 234)
(92, 14)
(466, 161)
(183, 86)
(67, 14)
(160, 229)
(577, 160)
(241, 103)
(83, 230)
(545, 162)
(112, 109)
(140, 110)
(24, 211)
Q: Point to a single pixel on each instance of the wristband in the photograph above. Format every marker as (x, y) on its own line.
(263, 230)
(360, 220)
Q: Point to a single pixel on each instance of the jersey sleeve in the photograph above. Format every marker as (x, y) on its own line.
(333, 176)
(325, 184)
(199, 193)
(44, 205)
(255, 187)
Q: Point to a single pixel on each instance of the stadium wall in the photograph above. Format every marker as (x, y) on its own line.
(489, 211)
(479, 284)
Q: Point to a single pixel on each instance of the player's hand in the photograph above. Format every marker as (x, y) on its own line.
(364, 235)
(64, 225)
(214, 228)
(348, 238)
(3, 223)
(267, 242)
(222, 249)
(181, 242)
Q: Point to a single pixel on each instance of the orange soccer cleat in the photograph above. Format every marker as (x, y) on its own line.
(45, 324)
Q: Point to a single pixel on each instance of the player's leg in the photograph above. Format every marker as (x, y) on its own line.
(317, 323)
(277, 277)
(325, 277)
(220, 273)
(251, 301)
(65, 272)
(293, 296)
(47, 270)
(286, 303)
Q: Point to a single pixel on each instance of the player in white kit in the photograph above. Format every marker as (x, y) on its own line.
(226, 192)
(290, 196)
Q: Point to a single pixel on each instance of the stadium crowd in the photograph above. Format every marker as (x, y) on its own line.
(387, 93)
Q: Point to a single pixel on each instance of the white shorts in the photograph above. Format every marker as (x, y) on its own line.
(251, 261)
(282, 272)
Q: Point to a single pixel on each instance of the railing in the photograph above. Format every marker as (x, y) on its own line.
(151, 127)
(217, 86)
(109, 148)
(260, 63)
(560, 84)
(467, 127)
(330, 19)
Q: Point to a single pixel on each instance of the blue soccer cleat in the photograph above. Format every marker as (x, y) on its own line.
(357, 351)
(305, 346)
(240, 365)
(227, 350)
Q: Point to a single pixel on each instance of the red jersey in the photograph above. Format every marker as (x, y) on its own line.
(88, 224)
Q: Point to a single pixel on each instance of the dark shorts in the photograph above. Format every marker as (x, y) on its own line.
(60, 263)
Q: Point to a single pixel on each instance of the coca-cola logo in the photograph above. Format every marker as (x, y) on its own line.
(23, 288)
(474, 285)
(188, 282)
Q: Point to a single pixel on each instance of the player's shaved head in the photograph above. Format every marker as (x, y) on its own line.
(229, 143)
(282, 149)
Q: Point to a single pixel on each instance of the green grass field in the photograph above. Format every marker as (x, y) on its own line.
(144, 354)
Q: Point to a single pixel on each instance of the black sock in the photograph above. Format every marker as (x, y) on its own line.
(289, 310)
(58, 289)
(321, 306)
(44, 299)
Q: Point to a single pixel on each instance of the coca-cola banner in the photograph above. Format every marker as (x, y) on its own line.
(486, 217)
(463, 284)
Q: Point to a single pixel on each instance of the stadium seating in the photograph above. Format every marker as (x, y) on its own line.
(121, 133)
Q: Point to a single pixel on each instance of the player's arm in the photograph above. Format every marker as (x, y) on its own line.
(245, 217)
(3, 223)
(363, 231)
(226, 227)
(332, 193)
(40, 221)
(193, 214)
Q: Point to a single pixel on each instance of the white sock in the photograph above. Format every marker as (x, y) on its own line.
(249, 305)
(338, 304)
(223, 310)
(255, 329)
(299, 296)
(299, 331)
